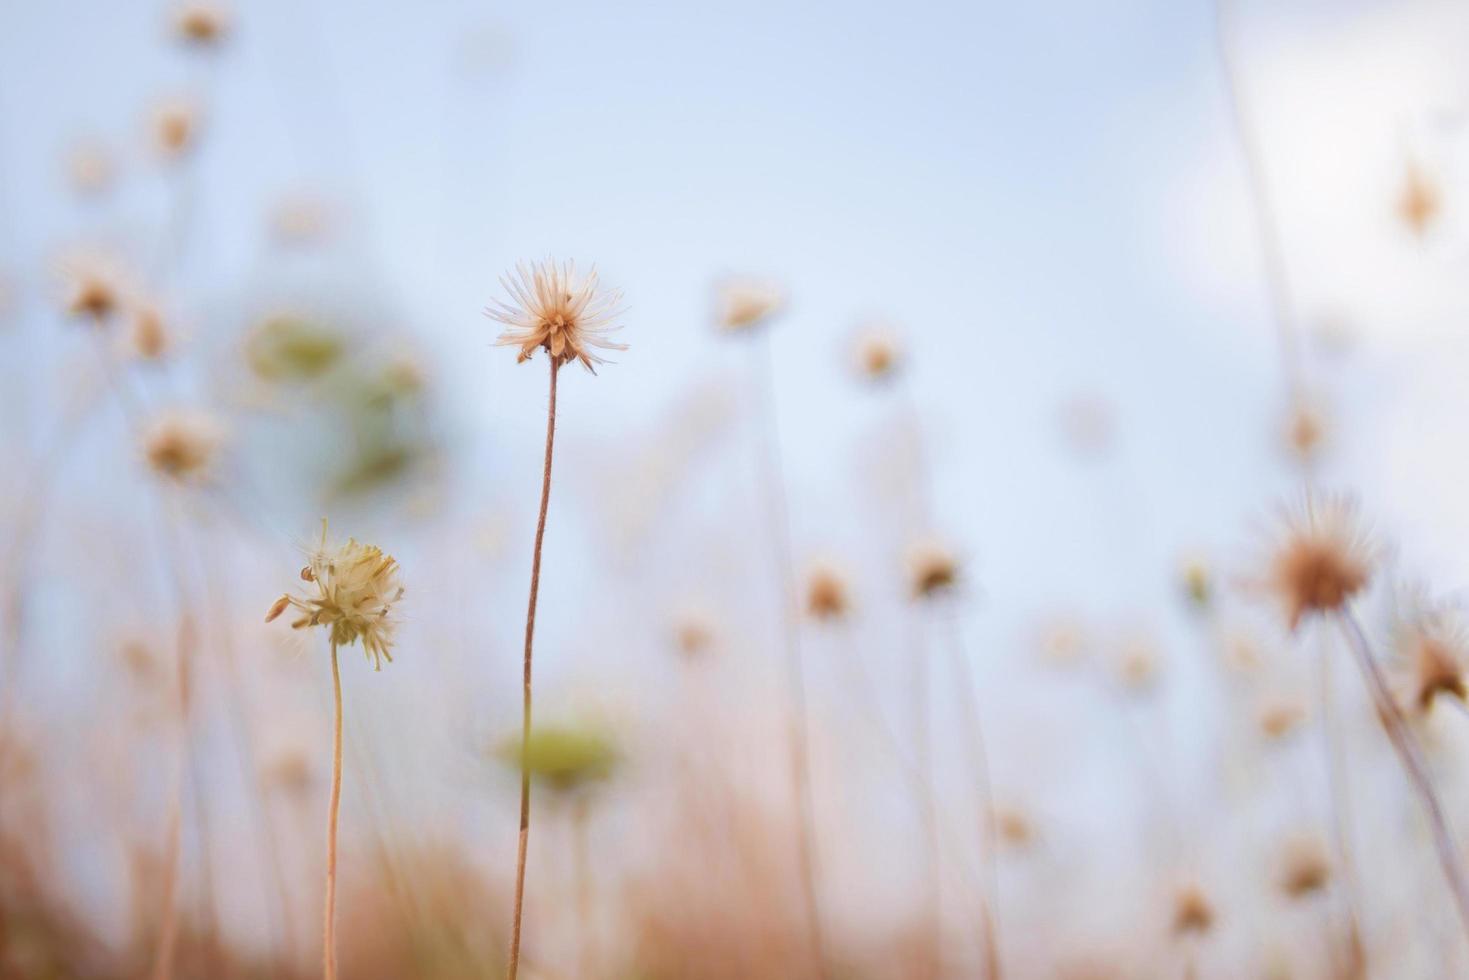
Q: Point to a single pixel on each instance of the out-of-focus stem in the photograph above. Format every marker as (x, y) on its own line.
(329, 912)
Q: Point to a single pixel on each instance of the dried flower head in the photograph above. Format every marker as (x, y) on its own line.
(1193, 914)
(181, 445)
(933, 569)
(149, 334)
(356, 589)
(93, 288)
(693, 634)
(556, 310)
(1306, 429)
(175, 126)
(89, 168)
(827, 595)
(1279, 716)
(1320, 562)
(1420, 201)
(876, 353)
(744, 303)
(1014, 826)
(1305, 868)
(201, 23)
(1431, 645)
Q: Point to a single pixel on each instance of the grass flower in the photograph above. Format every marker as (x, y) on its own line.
(552, 308)
(1193, 913)
(876, 353)
(180, 446)
(1431, 646)
(149, 334)
(1305, 868)
(569, 318)
(1320, 561)
(356, 588)
(1420, 201)
(746, 303)
(827, 595)
(174, 127)
(933, 569)
(201, 24)
(93, 288)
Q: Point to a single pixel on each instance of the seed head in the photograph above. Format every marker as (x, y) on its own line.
(556, 310)
(1305, 868)
(149, 335)
(1431, 645)
(1320, 562)
(876, 353)
(1420, 201)
(746, 303)
(201, 24)
(175, 126)
(93, 287)
(181, 445)
(356, 587)
(827, 596)
(1193, 914)
(933, 570)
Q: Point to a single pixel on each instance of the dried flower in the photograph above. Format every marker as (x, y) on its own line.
(932, 569)
(1421, 200)
(175, 125)
(745, 303)
(201, 23)
(93, 287)
(1306, 430)
(827, 596)
(181, 445)
(1305, 868)
(1280, 716)
(1432, 646)
(556, 310)
(565, 757)
(1321, 561)
(356, 588)
(877, 354)
(1193, 914)
(693, 634)
(1014, 826)
(150, 336)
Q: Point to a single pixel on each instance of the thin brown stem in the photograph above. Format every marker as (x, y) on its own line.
(530, 632)
(329, 912)
(772, 474)
(1354, 955)
(968, 697)
(1410, 754)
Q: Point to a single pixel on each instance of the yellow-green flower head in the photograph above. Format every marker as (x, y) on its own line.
(356, 588)
(564, 757)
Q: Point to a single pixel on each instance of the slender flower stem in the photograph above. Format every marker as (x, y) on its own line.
(530, 632)
(779, 512)
(329, 913)
(586, 947)
(979, 764)
(1411, 756)
(1341, 817)
(927, 803)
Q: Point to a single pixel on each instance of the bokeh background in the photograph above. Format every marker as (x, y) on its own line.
(1050, 206)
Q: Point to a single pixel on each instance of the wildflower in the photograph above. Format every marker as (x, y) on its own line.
(149, 336)
(1305, 868)
(1421, 200)
(877, 353)
(1197, 581)
(356, 588)
(744, 304)
(556, 310)
(932, 569)
(693, 635)
(1280, 716)
(175, 126)
(1306, 430)
(1192, 911)
(826, 594)
(93, 288)
(565, 757)
(201, 23)
(181, 445)
(1432, 644)
(1321, 561)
